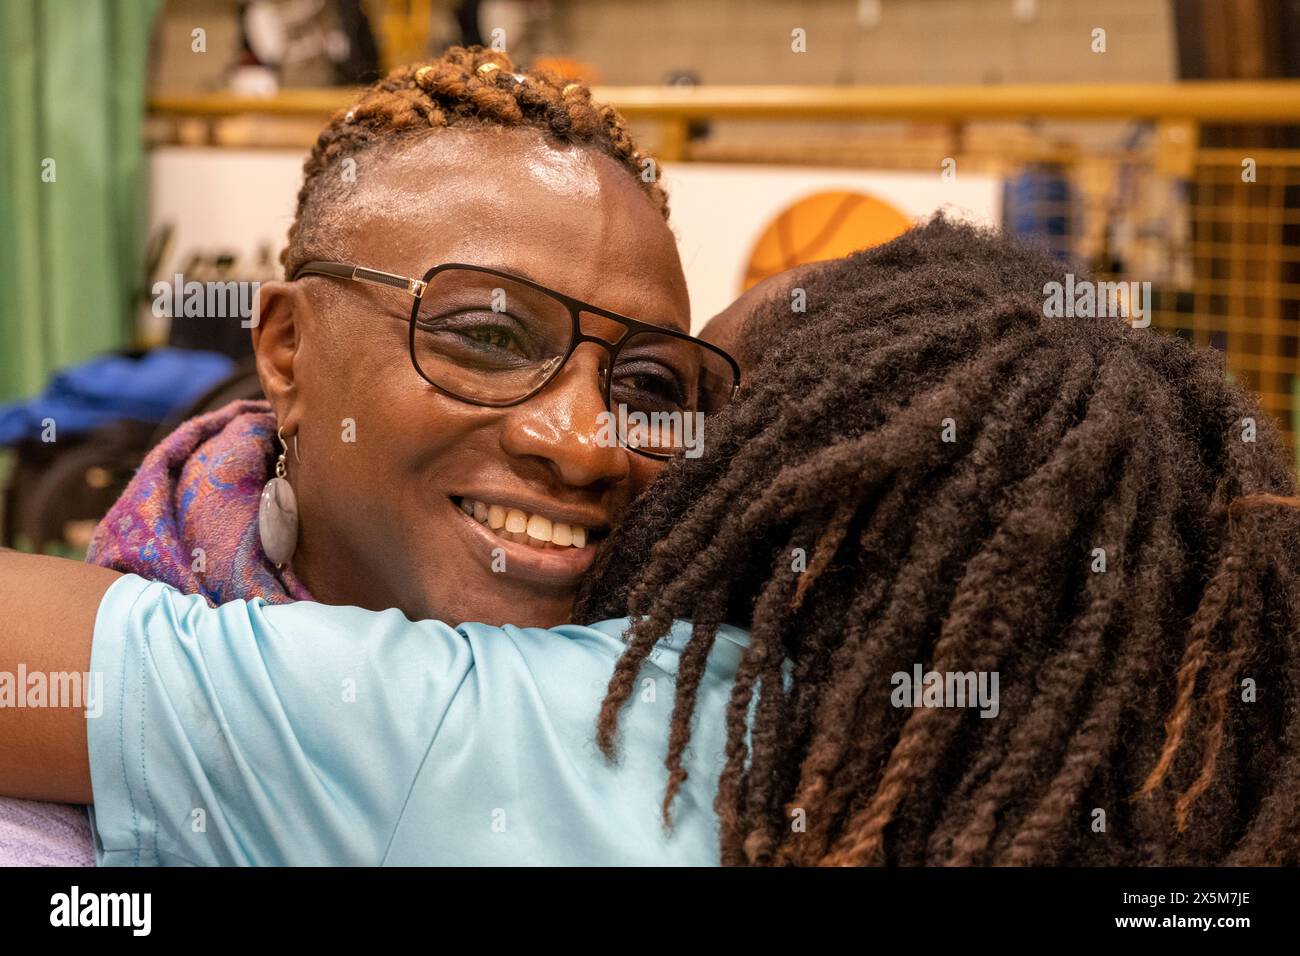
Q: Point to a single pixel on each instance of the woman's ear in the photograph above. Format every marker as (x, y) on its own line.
(285, 311)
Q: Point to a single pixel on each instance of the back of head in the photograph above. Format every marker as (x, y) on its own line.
(926, 472)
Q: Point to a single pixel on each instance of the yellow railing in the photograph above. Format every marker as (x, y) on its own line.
(675, 107)
(1235, 102)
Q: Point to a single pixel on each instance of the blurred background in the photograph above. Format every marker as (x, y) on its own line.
(1146, 140)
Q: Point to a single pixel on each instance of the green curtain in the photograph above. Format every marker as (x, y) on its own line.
(72, 90)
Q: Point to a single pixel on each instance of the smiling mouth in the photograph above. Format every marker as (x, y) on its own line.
(530, 528)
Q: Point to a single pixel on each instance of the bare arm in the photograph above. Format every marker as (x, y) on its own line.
(47, 619)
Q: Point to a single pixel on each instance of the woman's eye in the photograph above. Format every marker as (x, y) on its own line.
(478, 332)
(497, 338)
(658, 385)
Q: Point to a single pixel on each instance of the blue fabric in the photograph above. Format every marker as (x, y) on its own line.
(309, 734)
(115, 387)
(1037, 204)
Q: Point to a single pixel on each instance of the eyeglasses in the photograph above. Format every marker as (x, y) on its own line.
(495, 339)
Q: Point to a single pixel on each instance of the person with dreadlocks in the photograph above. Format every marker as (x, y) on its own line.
(928, 471)
(924, 470)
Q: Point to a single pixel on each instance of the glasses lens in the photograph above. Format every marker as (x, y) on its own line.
(486, 338)
(663, 390)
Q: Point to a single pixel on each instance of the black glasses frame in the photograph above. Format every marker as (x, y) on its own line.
(416, 289)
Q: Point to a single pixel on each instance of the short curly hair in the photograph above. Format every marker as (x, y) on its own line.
(472, 88)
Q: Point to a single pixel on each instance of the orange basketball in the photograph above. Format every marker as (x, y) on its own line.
(823, 226)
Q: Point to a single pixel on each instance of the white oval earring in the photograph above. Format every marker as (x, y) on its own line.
(277, 513)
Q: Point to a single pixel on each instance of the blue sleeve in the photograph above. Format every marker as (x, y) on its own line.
(220, 742)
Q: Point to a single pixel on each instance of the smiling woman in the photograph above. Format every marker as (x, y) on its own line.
(460, 161)
(441, 422)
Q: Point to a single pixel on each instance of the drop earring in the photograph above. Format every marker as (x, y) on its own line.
(277, 513)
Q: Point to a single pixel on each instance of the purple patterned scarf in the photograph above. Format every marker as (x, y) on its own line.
(189, 518)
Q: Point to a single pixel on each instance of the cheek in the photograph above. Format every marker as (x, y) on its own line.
(376, 428)
(643, 471)
(399, 437)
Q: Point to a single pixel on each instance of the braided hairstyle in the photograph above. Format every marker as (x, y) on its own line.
(1106, 530)
(472, 88)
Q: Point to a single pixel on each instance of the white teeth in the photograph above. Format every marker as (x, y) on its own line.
(539, 528)
(516, 525)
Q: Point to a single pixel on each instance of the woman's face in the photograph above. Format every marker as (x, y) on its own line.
(387, 461)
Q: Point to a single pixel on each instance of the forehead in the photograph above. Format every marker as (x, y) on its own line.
(567, 217)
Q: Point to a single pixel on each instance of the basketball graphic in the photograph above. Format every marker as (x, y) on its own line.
(823, 226)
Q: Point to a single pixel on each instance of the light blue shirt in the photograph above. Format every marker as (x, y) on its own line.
(308, 734)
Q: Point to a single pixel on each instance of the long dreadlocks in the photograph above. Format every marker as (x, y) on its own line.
(1090, 511)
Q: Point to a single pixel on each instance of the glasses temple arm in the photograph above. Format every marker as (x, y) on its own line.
(345, 270)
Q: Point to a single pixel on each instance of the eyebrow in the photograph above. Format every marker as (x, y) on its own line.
(515, 270)
(683, 326)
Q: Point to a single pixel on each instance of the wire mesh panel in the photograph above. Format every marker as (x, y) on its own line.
(1244, 293)
(1219, 247)
(1214, 231)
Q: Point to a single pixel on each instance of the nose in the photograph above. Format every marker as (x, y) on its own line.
(565, 424)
